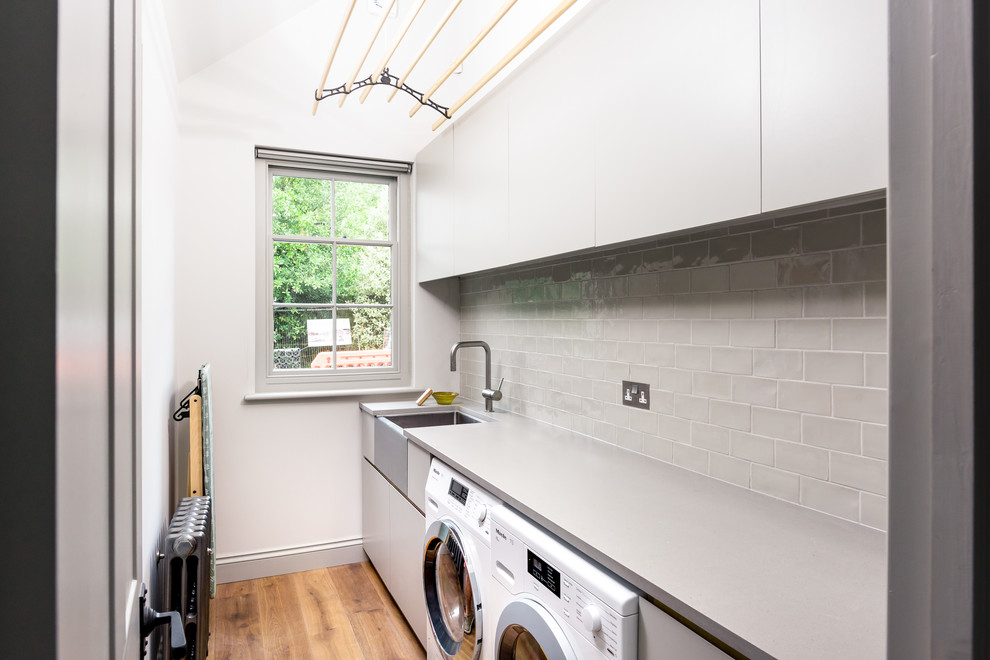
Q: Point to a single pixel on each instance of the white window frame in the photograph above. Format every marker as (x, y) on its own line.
(273, 162)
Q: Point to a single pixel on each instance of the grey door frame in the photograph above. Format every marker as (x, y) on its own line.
(932, 340)
(97, 449)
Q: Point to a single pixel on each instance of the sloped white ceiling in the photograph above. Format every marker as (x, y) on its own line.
(204, 31)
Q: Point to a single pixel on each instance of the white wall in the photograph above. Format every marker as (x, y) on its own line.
(287, 473)
(156, 249)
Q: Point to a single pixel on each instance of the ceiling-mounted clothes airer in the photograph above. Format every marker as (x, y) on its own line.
(382, 76)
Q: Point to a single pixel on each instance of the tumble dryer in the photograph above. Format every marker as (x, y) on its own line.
(457, 566)
(550, 603)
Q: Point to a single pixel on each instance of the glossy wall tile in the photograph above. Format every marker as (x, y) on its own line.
(764, 344)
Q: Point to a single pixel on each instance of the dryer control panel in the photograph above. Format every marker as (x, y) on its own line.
(594, 604)
(459, 497)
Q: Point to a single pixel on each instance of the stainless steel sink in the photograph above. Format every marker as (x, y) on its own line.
(391, 448)
(418, 420)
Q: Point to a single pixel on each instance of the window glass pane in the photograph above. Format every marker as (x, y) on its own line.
(370, 338)
(362, 210)
(301, 337)
(301, 206)
(303, 273)
(364, 275)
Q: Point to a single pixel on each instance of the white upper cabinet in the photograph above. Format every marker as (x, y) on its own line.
(824, 83)
(644, 117)
(435, 209)
(481, 184)
(551, 155)
(678, 121)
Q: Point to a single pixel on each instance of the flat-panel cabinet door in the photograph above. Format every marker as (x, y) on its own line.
(662, 638)
(408, 531)
(551, 153)
(481, 198)
(435, 209)
(418, 472)
(375, 519)
(678, 119)
(824, 83)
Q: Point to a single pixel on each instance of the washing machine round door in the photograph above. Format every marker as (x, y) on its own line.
(450, 582)
(527, 631)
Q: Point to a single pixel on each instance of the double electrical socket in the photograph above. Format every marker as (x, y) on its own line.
(636, 395)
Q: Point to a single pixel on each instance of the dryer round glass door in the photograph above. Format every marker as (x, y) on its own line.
(450, 584)
(527, 631)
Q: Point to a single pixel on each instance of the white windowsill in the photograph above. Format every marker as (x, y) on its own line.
(333, 394)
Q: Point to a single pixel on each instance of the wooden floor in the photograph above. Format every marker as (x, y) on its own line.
(342, 612)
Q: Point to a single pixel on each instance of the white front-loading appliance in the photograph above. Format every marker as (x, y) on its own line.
(551, 603)
(457, 565)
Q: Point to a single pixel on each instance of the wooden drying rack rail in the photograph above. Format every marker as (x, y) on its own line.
(381, 75)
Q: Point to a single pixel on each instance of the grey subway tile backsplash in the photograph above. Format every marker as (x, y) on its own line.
(875, 443)
(752, 275)
(832, 234)
(866, 474)
(780, 242)
(764, 344)
(730, 469)
(730, 415)
(777, 423)
(873, 510)
(730, 248)
(809, 269)
(712, 278)
(845, 300)
(875, 227)
(863, 265)
(780, 484)
(802, 459)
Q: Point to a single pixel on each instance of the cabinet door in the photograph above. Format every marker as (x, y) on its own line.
(662, 638)
(435, 209)
(824, 82)
(418, 472)
(678, 123)
(481, 197)
(551, 154)
(407, 533)
(368, 436)
(375, 519)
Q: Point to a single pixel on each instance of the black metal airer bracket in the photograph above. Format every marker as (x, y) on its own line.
(182, 411)
(390, 81)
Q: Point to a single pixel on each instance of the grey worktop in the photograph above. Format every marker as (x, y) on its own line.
(767, 577)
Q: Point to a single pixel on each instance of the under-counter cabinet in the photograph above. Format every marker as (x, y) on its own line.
(375, 519)
(393, 540)
(661, 637)
(394, 527)
(824, 89)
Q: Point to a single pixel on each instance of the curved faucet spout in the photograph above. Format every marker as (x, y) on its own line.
(487, 393)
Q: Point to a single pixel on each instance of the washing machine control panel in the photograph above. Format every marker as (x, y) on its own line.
(461, 498)
(580, 594)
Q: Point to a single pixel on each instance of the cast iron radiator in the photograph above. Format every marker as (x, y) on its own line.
(187, 572)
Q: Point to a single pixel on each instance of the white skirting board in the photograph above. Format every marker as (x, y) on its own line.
(250, 566)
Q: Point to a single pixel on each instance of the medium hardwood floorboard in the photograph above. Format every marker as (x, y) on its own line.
(342, 612)
(235, 621)
(324, 617)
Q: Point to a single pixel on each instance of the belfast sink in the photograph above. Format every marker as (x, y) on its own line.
(419, 420)
(391, 449)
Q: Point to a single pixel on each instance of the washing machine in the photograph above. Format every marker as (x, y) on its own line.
(457, 566)
(548, 602)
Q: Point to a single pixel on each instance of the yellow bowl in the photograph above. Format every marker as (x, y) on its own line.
(445, 398)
